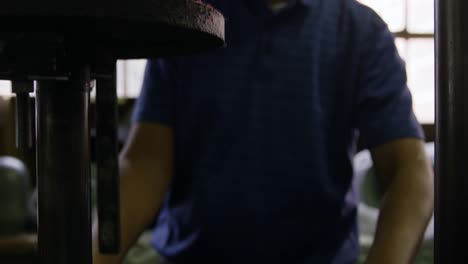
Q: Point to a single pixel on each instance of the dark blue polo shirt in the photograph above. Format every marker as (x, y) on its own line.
(265, 130)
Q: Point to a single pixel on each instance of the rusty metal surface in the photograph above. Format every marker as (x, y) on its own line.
(159, 22)
(38, 31)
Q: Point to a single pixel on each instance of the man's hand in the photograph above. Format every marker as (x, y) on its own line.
(406, 177)
(146, 166)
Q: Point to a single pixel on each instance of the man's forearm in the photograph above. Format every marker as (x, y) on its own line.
(141, 199)
(405, 211)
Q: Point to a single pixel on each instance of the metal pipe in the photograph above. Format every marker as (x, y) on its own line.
(451, 209)
(63, 170)
(23, 122)
(107, 162)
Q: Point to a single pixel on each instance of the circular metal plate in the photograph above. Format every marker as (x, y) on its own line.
(127, 28)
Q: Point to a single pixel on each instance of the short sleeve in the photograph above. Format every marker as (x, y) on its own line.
(384, 103)
(156, 100)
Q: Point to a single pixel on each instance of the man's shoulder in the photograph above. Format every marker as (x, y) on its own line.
(363, 16)
(353, 7)
(353, 21)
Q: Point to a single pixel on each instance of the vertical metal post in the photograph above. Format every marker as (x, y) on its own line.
(23, 120)
(107, 160)
(63, 170)
(451, 205)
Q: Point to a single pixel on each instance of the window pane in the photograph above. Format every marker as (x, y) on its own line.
(135, 70)
(421, 16)
(130, 77)
(402, 46)
(5, 88)
(392, 11)
(121, 79)
(420, 66)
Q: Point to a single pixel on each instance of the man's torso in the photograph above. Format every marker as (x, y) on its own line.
(265, 131)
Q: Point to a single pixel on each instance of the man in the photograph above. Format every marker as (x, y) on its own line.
(244, 154)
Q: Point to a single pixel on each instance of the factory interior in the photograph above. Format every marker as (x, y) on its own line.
(430, 40)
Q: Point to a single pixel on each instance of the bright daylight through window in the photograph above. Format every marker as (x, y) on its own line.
(412, 21)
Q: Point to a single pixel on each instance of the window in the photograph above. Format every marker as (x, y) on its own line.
(5, 88)
(130, 77)
(412, 22)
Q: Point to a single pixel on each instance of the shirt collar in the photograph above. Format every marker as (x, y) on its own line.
(305, 3)
(309, 3)
(261, 7)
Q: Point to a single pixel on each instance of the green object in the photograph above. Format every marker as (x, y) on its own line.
(14, 195)
(143, 252)
(424, 255)
(369, 193)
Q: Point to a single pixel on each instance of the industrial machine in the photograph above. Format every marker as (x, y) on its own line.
(58, 48)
